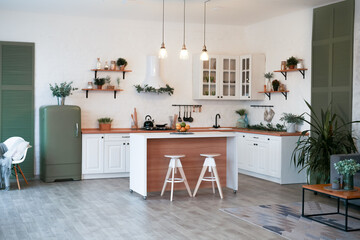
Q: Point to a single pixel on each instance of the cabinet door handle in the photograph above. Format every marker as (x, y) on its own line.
(124, 143)
(243, 135)
(256, 137)
(102, 137)
(218, 97)
(221, 96)
(125, 136)
(76, 129)
(255, 144)
(268, 139)
(128, 143)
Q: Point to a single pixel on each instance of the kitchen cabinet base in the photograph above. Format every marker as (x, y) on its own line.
(273, 179)
(105, 175)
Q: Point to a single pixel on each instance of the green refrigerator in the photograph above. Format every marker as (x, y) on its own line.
(60, 143)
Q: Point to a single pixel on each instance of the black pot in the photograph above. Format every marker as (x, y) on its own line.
(161, 125)
(149, 123)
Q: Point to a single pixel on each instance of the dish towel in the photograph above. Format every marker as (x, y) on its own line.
(5, 167)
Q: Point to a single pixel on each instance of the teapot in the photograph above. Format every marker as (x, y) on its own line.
(149, 122)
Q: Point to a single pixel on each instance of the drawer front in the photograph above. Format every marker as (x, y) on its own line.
(116, 137)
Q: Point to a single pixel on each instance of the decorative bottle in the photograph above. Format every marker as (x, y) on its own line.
(246, 120)
(98, 64)
(106, 67)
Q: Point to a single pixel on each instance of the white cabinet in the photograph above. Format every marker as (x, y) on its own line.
(105, 155)
(268, 157)
(217, 78)
(252, 69)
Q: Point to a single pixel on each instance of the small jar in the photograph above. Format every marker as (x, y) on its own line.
(113, 65)
(106, 67)
(90, 85)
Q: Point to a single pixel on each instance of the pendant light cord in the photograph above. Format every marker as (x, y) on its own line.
(205, 18)
(184, 23)
(163, 21)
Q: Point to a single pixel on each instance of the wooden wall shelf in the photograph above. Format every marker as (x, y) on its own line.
(268, 93)
(105, 90)
(103, 70)
(284, 72)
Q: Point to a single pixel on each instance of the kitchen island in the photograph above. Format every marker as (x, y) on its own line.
(149, 166)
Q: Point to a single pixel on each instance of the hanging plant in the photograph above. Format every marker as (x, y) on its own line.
(169, 90)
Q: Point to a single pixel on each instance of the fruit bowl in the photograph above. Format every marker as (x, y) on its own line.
(182, 127)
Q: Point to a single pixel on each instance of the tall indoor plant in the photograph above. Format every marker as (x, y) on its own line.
(329, 134)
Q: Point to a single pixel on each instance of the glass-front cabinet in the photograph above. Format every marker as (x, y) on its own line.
(245, 77)
(219, 78)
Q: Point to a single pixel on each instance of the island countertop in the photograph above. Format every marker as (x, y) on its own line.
(187, 135)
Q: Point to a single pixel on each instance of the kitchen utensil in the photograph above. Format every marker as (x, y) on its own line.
(190, 119)
(174, 122)
(149, 122)
(179, 118)
(194, 108)
(184, 118)
(199, 109)
(161, 125)
(136, 119)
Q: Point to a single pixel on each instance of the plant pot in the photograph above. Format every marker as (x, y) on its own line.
(240, 122)
(292, 66)
(276, 88)
(348, 182)
(335, 186)
(99, 86)
(290, 128)
(110, 87)
(104, 126)
(122, 67)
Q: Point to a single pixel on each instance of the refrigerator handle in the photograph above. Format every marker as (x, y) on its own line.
(77, 129)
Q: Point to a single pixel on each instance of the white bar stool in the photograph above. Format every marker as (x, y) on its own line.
(174, 164)
(209, 163)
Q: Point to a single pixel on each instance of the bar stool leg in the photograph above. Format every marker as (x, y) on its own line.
(218, 182)
(212, 182)
(200, 179)
(165, 182)
(172, 184)
(185, 180)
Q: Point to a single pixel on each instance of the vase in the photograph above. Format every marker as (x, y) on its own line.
(99, 86)
(246, 120)
(105, 126)
(335, 185)
(61, 100)
(240, 122)
(348, 182)
(268, 88)
(290, 128)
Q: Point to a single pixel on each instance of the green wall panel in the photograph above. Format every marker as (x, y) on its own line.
(321, 65)
(342, 64)
(17, 96)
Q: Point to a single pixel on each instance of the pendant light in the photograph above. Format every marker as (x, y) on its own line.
(204, 55)
(163, 52)
(184, 54)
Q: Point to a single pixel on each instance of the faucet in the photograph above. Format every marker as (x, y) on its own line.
(216, 118)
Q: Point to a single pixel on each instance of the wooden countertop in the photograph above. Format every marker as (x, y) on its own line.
(199, 129)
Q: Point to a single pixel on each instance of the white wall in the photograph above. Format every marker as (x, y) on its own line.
(356, 78)
(66, 49)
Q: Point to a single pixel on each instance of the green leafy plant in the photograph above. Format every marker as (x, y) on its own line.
(347, 167)
(241, 112)
(121, 62)
(62, 90)
(108, 80)
(269, 75)
(169, 90)
(291, 61)
(99, 81)
(329, 134)
(268, 127)
(292, 118)
(105, 120)
(275, 84)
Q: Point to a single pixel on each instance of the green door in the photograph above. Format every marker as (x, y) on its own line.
(332, 58)
(17, 96)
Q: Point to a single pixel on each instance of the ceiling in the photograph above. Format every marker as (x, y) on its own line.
(229, 12)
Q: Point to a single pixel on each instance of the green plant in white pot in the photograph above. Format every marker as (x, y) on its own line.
(347, 168)
(291, 120)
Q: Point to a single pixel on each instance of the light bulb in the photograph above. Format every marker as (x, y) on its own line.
(184, 54)
(204, 55)
(162, 53)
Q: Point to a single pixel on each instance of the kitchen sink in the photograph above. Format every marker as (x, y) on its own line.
(220, 128)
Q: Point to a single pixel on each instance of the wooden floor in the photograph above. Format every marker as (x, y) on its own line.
(104, 209)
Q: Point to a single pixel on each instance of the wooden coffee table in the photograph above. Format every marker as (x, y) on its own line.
(343, 195)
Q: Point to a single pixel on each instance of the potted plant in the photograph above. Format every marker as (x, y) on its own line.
(108, 82)
(347, 168)
(276, 84)
(122, 63)
(241, 121)
(269, 76)
(62, 91)
(105, 123)
(292, 120)
(335, 184)
(329, 134)
(99, 82)
(291, 62)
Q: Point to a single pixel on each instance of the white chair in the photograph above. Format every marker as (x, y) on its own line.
(209, 163)
(175, 164)
(11, 144)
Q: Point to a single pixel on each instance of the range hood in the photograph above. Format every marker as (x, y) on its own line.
(152, 78)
